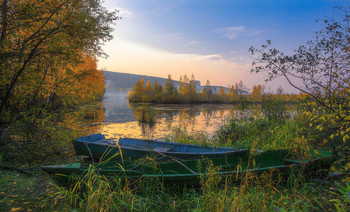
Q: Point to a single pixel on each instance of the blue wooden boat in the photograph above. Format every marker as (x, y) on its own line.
(98, 147)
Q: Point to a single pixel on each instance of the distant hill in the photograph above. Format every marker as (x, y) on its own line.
(123, 82)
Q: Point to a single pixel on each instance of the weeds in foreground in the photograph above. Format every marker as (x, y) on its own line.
(267, 192)
(342, 197)
(91, 192)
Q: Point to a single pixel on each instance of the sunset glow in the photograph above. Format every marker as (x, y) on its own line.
(206, 38)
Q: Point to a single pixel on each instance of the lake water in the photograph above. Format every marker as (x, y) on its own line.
(121, 119)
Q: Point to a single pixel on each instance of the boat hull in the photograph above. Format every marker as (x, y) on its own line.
(190, 172)
(98, 147)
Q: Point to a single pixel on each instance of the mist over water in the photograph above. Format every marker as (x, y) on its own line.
(117, 109)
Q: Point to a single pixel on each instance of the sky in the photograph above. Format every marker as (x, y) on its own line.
(208, 38)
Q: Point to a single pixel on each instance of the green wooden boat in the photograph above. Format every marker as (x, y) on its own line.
(190, 171)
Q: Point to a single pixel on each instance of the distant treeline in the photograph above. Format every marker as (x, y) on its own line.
(187, 93)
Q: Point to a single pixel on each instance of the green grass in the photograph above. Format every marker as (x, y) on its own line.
(266, 193)
(21, 191)
(269, 192)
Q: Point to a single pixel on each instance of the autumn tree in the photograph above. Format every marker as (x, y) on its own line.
(320, 69)
(40, 37)
(137, 93)
(169, 88)
(85, 84)
(232, 91)
(157, 89)
(221, 91)
(148, 92)
(187, 88)
(257, 90)
(192, 88)
(182, 89)
(142, 85)
(148, 89)
(184, 83)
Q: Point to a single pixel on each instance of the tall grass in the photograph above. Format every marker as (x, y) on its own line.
(262, 131)
(266, 192)
(91, 192)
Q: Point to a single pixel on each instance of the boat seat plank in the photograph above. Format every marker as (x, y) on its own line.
(162, 149)
(292, 161)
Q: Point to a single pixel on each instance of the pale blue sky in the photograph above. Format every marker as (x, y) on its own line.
(209, 38)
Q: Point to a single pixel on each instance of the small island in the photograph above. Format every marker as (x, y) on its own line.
(189, 91)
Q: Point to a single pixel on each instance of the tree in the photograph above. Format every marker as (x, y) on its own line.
(181, 86)
(208, 88)
(169, 87)
(320, 69)
(184, 88)
(148, 89)
(257, 91)
(279, 91)
(192, 88)
(232, 91)
(137, 90)
(221, 92)
(142, 85)
(240, 88)
(37, 36)
(187, 88)
(157, 89)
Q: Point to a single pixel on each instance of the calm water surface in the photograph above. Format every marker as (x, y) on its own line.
(121, 119)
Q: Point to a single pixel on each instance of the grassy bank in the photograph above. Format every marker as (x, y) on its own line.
(266, 193)
(35, 191)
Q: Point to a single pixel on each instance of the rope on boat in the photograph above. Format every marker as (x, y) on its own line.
(88, 148)
(172, 158)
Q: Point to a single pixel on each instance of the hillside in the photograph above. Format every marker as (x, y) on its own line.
(124, 81)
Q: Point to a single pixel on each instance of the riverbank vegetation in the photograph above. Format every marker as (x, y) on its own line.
(265, 193)
(186, 92)
(322, 67)
(47, 65)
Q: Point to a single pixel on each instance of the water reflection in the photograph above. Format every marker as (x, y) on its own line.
(155, 121)
(146, 118)
(115, 117)
(87, 119)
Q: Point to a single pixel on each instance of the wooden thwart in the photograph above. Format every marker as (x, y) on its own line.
(161, 149)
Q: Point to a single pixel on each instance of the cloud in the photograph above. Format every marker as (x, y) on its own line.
(253, 33)
(124, 13)
(237, 58)
(194, 43)
(129, 57)
(170, 36)
(231, 32)
(175, 4)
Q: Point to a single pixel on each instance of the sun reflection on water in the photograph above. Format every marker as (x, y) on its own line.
(149, 121)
